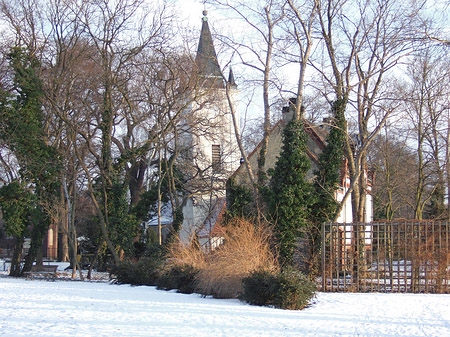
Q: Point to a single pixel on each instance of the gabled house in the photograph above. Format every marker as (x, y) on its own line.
(215, 155)
(315, 144)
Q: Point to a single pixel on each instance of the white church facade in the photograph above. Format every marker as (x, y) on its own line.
(210, 145)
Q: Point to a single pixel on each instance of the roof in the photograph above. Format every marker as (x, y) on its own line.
(231, 80)
(206, 58)
(212, 224)
(316, 133)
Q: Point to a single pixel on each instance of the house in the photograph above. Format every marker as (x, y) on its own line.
(315, 144)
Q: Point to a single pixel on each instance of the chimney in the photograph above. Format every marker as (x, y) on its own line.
(288, 111)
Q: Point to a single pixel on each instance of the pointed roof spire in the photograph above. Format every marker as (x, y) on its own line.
(206, 58)
(231, 80)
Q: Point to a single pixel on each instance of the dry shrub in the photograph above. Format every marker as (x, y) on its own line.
(181, 254)
(246, 248)
(430, 262)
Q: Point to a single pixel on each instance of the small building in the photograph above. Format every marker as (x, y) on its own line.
(315, 144)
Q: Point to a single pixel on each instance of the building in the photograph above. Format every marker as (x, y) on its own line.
(209, 146)
(315, 144)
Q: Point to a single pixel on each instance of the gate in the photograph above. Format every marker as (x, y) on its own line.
(399, 256)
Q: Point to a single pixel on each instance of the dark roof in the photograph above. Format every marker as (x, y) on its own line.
(212, 224)
(206, 58)
(315, 132)
(231, 80)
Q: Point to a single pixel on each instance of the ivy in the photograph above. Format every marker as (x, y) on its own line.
(23, 131)
(123, 225)
(16, 204)
(239, 200)
(290, 194)
(328, 174)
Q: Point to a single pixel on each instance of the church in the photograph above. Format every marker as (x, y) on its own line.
(215, 154)
(210, 145)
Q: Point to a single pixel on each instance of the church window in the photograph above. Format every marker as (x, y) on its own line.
(216, 158)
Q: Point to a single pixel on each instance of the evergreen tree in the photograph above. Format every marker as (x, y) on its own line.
(328, 173)
(290, 195)
(23, 130)
(16, 203)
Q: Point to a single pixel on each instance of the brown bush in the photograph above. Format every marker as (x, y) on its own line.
(181, 254)
(246, 248)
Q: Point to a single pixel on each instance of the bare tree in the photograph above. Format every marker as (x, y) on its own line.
(394, 163)
(302, 19)
(108, 28)
(427, 108)
(261, 20)
(362, 47)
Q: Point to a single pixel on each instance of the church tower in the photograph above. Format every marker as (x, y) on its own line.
(209, 141)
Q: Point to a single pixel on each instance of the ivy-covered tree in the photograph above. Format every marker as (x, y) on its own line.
(290, 194)
(16, 203)
(23, 131)
(123, 224)
(240, 200)
(327, 175)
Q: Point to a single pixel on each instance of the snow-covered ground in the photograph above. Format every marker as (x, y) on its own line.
(71, 308)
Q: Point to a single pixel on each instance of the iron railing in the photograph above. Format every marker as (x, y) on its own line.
(399, 256)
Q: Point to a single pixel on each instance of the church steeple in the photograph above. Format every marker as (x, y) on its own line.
(231, 80)
(206, 58)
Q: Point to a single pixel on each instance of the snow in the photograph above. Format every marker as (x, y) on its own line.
(63, 308)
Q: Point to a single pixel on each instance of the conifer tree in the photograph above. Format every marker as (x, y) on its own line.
(329, 168)
(290, 195)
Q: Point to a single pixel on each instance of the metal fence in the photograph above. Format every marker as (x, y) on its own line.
(402, 256)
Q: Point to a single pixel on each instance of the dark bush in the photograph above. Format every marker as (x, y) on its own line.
(144, 272)
(180, 277)
(289, 289)
(259, 288)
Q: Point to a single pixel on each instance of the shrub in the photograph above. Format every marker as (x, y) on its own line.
(246, 248)
(219, 273)
(259, 288)
(288, 289)
(182, 254)
(144, 272)
(180, 277)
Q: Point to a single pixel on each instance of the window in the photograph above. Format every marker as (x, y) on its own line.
(216, 158)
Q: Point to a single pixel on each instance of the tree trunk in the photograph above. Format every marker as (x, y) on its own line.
(17, 257)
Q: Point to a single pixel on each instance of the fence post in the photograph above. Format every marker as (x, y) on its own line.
(323, 257)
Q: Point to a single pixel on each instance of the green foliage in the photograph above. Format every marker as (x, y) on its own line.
(123, 226)
(436, 209)
(329, 168)
(288, 289)
(16, 204)
(148, 204)
(23, 126)
(290, 194)
(180, 277)
(144, 272)
(259, 288)
(23, 130)
(239, 200)
(176, 226)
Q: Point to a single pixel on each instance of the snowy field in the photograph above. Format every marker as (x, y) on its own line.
(71, 308)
